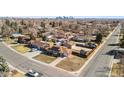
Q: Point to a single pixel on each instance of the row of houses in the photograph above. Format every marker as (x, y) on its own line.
(60, 48)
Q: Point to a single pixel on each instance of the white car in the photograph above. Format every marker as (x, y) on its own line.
(32, 73)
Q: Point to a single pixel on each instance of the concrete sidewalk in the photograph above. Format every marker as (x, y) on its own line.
(32, 54)
(54, 63)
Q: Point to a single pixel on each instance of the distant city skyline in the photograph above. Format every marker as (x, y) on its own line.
(116, 17)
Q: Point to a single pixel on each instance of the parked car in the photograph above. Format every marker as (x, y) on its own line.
(82, 53)
(80, 45)
(90, 45)
(50, 52)
(56, 54)
(33, 73)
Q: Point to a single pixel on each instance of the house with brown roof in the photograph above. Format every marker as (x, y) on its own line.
(81, 51)
(23, 39)
(38, 44)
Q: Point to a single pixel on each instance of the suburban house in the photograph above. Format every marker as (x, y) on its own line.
(53, 51)
(40, 45)
(23, 39)
(79, 39)
(87, 45)
(122, 59)
(65, 51)
(59, 35)
(16, 35)
(118, 53)
(80, 51)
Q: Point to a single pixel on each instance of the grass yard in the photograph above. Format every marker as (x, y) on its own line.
(117, 70)
(15, 73)
(72, 64)
(50, 43)
(21, 48)
(8, 40)
(45, 58)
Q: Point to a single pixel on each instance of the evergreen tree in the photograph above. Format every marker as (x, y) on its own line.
(4, 68)
(99, 38)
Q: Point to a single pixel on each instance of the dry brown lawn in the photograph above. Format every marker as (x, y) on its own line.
(45, 58)
(21, 48)
(15, 73)
(8, 40)
(72, 64)
(117, 70)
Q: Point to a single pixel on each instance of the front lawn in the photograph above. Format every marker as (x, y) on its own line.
(45, 58)
(72, 64)
(117, 70)
(21, 48)
(15, 73)
(8, 40)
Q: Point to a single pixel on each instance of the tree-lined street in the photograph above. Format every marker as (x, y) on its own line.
(99, 65)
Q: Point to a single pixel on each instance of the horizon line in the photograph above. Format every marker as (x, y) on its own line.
(107, 17)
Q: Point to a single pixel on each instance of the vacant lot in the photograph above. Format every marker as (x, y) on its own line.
(117, 70)
(72, 64)
(21, 48)
(45, 58)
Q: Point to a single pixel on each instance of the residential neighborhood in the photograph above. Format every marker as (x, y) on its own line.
(61, 47)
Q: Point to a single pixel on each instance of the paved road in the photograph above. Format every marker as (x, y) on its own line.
(95, 68)
(98, 65)
(24, 64)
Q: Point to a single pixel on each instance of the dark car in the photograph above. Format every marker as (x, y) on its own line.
(56, 53)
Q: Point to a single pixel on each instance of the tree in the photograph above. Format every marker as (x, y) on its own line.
(42, 24)
(20, 30)
(6, 30)
(53, 24)
(44, 38)
(4, 68)
(14, 25)
(2, 29)
(122, 42)
(22, 22)
(7, 22)
(60, 23)
(98, 37)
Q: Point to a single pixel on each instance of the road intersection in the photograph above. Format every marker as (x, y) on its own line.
(97, 66)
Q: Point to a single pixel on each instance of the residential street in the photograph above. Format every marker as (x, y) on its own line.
(100, 63)
(98, 66)
(24, 64)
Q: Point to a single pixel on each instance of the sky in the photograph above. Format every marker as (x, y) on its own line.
(117, 17)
